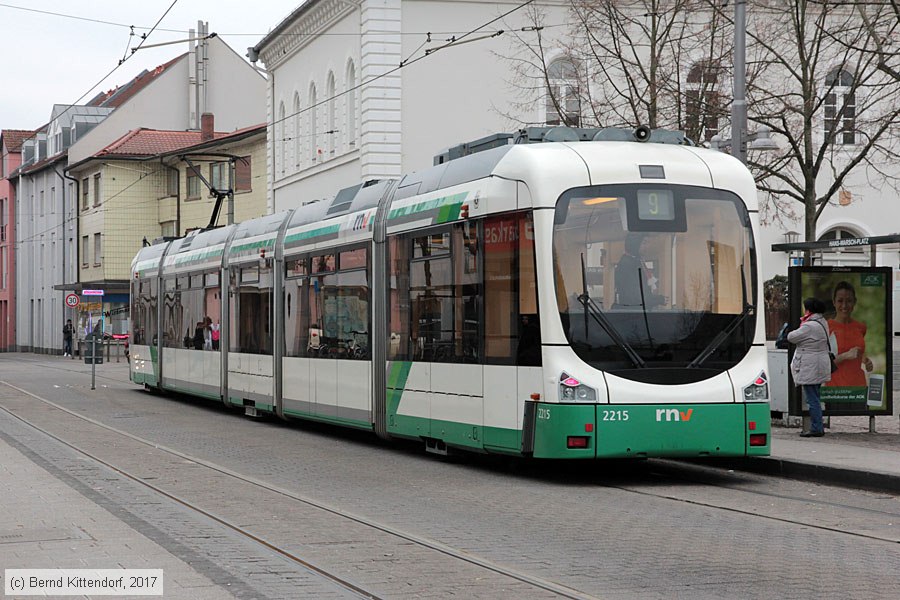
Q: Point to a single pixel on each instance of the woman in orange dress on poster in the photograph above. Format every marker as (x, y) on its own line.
(850, 353)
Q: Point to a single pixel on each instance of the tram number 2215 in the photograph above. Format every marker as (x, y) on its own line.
(615, 415)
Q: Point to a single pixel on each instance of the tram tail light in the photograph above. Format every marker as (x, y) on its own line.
(577, 441)
(758, 439)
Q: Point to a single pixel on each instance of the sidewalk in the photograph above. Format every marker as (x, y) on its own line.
(846, 455)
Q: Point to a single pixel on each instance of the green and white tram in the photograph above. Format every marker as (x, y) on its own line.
(571, 299)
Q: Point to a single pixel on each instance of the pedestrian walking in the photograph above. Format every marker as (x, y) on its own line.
(68, 331)
(811, 365)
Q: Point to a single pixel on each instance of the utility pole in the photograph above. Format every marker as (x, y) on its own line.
(739, 104)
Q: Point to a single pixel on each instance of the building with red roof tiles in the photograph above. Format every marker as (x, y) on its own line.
(151, 183)
(69, 230)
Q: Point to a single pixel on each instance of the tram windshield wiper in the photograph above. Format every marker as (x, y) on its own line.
(591, 308)
(749, 309)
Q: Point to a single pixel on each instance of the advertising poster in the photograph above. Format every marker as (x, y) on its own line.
(858, 313)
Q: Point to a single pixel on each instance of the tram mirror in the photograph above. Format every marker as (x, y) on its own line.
(562, 209)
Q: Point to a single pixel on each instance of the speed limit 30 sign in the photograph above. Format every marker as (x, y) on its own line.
(72, 300)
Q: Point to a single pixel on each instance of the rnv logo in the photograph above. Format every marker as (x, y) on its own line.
(673, 414)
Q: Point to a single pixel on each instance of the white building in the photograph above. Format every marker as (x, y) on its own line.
(342, 110)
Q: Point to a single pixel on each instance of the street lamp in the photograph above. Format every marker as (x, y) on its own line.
(761, 139)
(741, 140)
(791, 237)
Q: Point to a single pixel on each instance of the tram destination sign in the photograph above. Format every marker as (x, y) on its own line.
(91, 292)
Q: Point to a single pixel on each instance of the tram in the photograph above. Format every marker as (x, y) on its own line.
(559, 293)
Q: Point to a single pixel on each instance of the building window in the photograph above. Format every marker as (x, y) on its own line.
(242, 176)
(282, 139)
(329, 133)
(172, 182)
(98, 256)
(168, 228)
(41, 203)
(3, 267)
(703, 105)
(840, 233)
(85, 192)
(563, 103)
(52, 200)
(313, 118)
(218, 176)
(97, 189)
(297, 148)
(193, 183)
(85, 250)
(351, 105)
(840, 107)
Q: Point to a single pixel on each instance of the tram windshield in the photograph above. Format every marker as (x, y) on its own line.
(655, 282)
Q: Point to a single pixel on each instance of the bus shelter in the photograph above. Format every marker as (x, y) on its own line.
(860, 314)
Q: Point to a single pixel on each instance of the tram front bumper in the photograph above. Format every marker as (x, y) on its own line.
(573, 431)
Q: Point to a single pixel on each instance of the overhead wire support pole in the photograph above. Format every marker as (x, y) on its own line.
(739, 103)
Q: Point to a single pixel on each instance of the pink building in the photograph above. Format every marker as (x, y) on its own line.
(11, 148)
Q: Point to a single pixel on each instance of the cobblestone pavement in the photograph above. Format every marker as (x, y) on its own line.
(609, 531)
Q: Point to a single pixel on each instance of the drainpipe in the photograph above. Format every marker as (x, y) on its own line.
(77, 231)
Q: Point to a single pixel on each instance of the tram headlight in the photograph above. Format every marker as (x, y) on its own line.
(758, 389)
(572, 390)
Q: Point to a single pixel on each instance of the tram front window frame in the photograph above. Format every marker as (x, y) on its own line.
(648, 275)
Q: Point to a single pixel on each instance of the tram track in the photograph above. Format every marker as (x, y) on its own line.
(538, 583)
(668, 473)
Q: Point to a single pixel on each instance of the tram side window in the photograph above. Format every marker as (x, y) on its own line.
(251, 310)
(191, 311)
(151, 288)
(436, 289)
(212, 310)
(338, 299)
(296, 308)
(512, 331)
(173, 316)
(138, 312)
(398, 284)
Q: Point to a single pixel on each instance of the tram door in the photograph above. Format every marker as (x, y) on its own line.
(512, 341)
(435, 376)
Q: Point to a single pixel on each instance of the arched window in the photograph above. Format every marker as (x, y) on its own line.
(563, 100)
(329, 126)
(840, 107)
(351, 105)
(298, 134)
(841, 233)
(280, 141)
(703, 103)
(313, 122)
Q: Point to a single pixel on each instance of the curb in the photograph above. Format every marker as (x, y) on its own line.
(818, 473)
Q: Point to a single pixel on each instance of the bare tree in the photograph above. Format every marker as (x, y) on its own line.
(627, 62)
(815, 80)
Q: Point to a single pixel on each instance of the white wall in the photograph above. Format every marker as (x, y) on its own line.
(236, 95)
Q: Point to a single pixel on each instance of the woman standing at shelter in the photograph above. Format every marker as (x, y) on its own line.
(811, 365)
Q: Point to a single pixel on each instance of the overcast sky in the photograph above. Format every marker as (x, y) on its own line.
(51, 59)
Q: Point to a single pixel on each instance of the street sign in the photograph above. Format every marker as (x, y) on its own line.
(72, 300)
(91, 292)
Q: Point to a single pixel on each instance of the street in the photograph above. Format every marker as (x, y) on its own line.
(266, 509)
